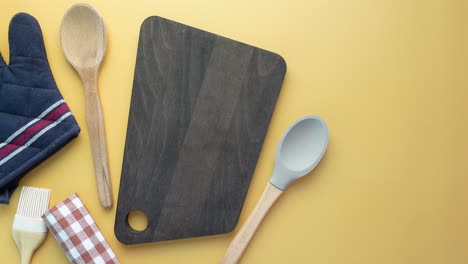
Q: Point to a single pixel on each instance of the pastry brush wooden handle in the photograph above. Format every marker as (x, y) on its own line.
(245, 234)
(27, 243)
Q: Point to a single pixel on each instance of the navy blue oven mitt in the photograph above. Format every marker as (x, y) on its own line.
(35, 121)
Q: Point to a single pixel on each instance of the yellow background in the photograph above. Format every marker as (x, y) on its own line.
(389, 77)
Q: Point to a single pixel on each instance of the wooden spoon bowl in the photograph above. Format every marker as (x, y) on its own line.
(83, 37)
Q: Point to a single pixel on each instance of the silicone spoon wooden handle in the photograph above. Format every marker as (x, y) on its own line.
(300, 149)
(245, 234)
(97, 135)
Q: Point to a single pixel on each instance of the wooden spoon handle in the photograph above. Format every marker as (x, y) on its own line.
(245, 234)
(97, 134)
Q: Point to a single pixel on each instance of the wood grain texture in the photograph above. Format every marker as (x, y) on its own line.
(245, 234)
(83, 39)
(200, 109)
(97, 136)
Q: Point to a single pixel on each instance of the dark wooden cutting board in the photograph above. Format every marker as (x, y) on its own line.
(200, 110)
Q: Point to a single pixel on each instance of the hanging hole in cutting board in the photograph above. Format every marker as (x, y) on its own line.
(137, 220)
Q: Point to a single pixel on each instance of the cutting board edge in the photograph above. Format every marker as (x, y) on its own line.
(130, 242)
(282, 60)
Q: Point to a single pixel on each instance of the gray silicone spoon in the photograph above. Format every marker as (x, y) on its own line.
(301, 148)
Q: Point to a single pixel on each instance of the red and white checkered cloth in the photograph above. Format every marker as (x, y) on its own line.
(75, 230)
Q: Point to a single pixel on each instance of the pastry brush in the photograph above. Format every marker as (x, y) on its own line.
(29, 230)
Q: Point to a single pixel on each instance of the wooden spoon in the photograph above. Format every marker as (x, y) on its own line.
(83, 40)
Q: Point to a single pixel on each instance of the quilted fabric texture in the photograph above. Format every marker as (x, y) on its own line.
(35, 121)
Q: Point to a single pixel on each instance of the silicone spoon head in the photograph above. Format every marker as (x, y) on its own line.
(83, 36)
(300, 149)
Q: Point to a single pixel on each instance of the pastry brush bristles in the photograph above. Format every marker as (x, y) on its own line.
(33, 202)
